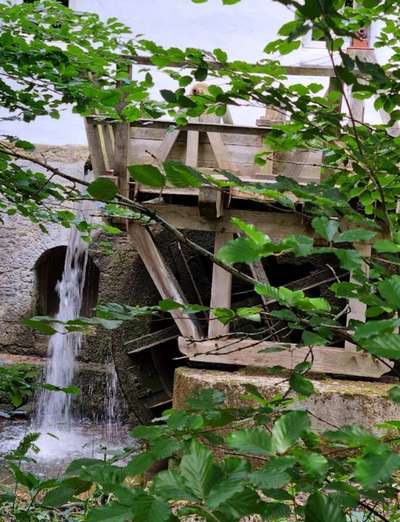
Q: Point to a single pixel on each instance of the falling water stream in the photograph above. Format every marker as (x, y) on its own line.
(63, 435)
(54, 407)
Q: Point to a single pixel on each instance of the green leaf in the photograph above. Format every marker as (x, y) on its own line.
(355, 234)
(169, 96)
(390, 291)
(273, 475)
(327, 228)
(69, 390)
(147, 507)
(376, 467)
(394, 394)
(374, 328)
(111, 513)
(223, 491)
(241, 250)
(301, 385)
(353, 436)
(77, 465)
(180, 175)
(220, 55)
(198, 470)
(259, 238)
(314, 464)
(65, 492)
(41, 326)
(288, 429)
(256, 441)
(140, 463)
(148, 175)
(169, 485)
(321, 508)
(384, 345)
(26, 145)
(312, 339)
(102, 189)
(386, 246)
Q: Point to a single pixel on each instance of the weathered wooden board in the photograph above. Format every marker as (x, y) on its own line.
(221, 289)
(276, 225)
(237, 152)
(248, 353)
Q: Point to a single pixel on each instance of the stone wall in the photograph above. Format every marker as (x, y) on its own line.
(21, 245)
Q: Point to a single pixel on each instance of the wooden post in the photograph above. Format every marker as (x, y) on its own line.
(121, 134)
(221, 289)
(95, 148)
(357, 309)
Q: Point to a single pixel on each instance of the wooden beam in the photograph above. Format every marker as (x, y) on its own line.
(291, 70)
(121, 138)
(108, 137)
(210, 203)
(191, 126)
(95, 147)
(276, 224)
(221, 289)
(248, 353)
(167, 144)
(220, 152)
(357, 309)
(162, 276)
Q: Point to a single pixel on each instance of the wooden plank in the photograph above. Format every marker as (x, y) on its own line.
(121, 135)
(357, 309)
(335, 85)
(258, 273)
(201, 126)
(108, 137)
(291, 70)
(167, 144)
(192, 149)
(219, 149)
(95, 148)
(210, 202)
(163, 278)
(221, 289)
(275, 224)
(248, 140)
(247, 353)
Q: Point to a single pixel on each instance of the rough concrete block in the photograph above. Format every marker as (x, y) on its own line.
(335, 403)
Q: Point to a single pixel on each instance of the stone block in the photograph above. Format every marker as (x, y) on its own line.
(335, 403)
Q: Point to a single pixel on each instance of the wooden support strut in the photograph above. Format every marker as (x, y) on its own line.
(163, 278)
(221, 289)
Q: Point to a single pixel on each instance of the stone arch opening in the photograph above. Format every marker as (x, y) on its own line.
(49, 269)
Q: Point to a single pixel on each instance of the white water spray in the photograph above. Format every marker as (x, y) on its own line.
(54, 407)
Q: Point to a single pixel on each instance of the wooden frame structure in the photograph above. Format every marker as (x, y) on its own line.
(208, 144)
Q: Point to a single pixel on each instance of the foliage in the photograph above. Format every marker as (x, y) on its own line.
(17, 383)
(270, 463)
(52, 56)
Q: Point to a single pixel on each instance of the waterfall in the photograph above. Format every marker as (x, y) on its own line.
(53, 407)
(112, 407)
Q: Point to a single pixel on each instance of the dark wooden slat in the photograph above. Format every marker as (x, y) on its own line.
(145, 342)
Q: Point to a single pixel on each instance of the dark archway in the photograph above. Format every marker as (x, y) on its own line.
(49, 269)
